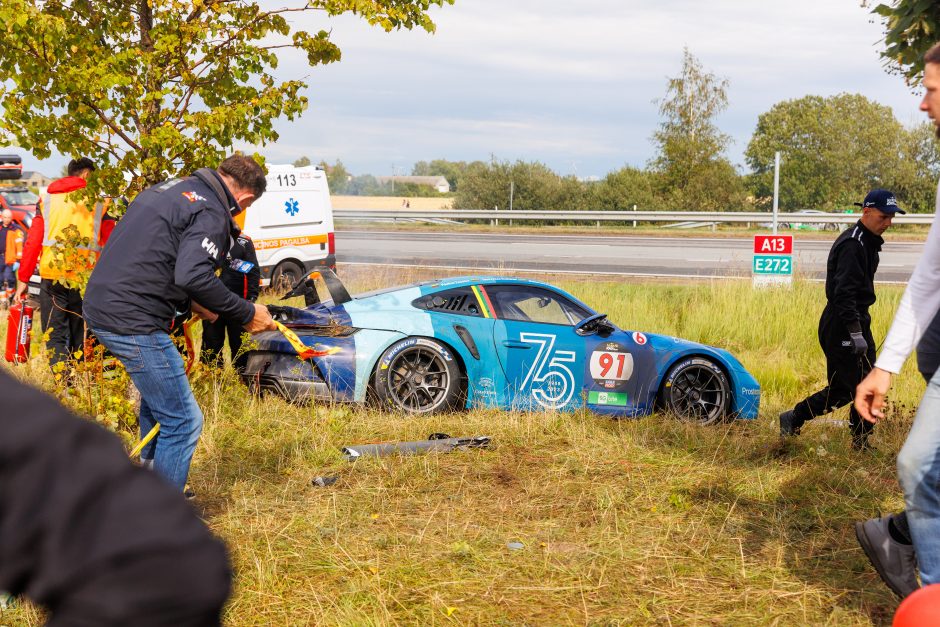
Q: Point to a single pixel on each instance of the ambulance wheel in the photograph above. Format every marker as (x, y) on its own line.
(418, 375)
(696, 390)
(286, 274)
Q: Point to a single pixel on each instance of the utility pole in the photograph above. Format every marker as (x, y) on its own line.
(776, 186)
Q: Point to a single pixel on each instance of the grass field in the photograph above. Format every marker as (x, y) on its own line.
(621, 522)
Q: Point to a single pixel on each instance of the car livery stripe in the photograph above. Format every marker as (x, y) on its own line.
(484, 300)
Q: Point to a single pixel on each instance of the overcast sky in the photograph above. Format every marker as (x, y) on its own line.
(570, 84)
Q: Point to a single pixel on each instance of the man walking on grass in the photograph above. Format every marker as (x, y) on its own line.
(162, 260)
(892, 542)
(845, 325)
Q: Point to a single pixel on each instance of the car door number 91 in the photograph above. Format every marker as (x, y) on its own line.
(611, 366)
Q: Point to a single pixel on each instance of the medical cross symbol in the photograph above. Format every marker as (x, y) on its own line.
(291, 206)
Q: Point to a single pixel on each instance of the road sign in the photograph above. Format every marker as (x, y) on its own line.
(773, 260)
(773, 244)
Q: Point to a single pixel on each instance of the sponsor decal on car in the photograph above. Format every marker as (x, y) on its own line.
(611, 364)
(550, 381)
(750, 391)
(618, 399)
(639, 338)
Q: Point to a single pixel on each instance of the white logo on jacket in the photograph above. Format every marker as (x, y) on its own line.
(211, 248)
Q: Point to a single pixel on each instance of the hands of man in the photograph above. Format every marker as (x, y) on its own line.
(262, 320)
(870, 395)
(859, 345)
(201, 312)
(20, 290)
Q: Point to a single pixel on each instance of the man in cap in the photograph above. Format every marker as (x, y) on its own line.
(845, 325)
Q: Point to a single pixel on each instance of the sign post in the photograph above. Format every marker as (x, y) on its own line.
(773, 260)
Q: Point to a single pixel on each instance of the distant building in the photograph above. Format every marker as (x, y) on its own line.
(439, 183)
(35, 179)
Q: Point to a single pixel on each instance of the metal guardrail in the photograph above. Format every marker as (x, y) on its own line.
(616, 216)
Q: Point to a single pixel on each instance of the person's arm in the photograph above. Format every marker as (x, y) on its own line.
(919, 305)
(850, 277)
(31, 249)
(198, 257)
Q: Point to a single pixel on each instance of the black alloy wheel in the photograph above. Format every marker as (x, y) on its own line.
(696, 390)
(418, 376)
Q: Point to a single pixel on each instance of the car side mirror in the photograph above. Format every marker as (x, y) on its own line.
(591, 325)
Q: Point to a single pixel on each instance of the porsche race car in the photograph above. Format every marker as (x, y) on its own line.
(499, 342)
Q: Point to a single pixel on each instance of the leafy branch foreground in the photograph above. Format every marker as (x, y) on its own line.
(636, 521)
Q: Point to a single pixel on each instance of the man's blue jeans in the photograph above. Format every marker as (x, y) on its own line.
(919, 475)
(156, 367)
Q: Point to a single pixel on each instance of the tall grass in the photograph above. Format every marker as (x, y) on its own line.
(621, 522)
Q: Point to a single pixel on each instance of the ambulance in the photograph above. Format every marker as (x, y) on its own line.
(292, 224)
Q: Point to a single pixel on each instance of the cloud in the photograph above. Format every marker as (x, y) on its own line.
(570, 84)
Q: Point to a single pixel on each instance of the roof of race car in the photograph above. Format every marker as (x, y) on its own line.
(450, 282)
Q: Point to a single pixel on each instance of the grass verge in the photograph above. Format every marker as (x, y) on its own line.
(620, 522)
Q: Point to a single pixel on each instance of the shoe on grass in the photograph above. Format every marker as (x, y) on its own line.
(895, 562)
(788, 426)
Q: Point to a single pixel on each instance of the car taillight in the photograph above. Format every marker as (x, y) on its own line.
(330, 243)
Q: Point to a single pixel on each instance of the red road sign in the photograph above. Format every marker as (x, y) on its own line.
(773, 244)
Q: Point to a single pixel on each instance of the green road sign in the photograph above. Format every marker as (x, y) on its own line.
(773, 264)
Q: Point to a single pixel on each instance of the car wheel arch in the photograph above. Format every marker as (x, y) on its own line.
(461, 363)
(732, 394)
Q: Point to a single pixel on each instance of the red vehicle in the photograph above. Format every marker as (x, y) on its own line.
(21, 201)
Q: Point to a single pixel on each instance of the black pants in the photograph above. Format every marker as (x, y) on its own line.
(844, 371)
(213, 343)
(61, 311)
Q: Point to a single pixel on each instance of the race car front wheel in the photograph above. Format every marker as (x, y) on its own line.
(697, 390)
(418, 375)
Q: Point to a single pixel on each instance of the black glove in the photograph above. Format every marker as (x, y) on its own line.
(859, 345)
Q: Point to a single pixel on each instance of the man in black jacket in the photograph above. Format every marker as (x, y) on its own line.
(161, 260)
(845, 325)
(91, 537)
(242, 275)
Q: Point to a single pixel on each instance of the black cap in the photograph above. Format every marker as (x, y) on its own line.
(882, 200)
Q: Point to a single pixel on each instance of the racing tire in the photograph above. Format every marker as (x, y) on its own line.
(696, 390)
(418, 375)
(286, 274)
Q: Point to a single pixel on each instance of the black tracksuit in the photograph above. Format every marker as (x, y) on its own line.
(246, 284)
(93, 538)
(850, 291)
(164, 252)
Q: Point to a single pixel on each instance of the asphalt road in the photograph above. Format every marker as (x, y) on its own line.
(680, 257)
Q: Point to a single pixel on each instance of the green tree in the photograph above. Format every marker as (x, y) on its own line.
(302, 162)
(834, 150)
(336, 175)
(911, 28)
(160, 87)
(692, 173)
(621, 190)
(534, 187)
(451, 170)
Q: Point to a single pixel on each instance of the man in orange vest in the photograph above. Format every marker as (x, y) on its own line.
(11, 249)
(60, 304)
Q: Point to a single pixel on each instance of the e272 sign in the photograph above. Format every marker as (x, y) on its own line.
(772, 255)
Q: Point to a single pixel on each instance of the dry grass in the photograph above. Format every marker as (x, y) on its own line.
(622, 522)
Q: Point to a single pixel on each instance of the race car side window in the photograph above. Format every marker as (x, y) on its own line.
(529, 303)
(459, 300)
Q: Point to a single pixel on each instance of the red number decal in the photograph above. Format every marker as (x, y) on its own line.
(606, 361)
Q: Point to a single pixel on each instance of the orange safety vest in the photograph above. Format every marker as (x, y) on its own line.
(61, 210)
(14, 248)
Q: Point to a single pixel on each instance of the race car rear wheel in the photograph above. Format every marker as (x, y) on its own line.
(696, 389)
(418, 375)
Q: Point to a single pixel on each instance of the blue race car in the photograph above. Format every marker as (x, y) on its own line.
(491, 342)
